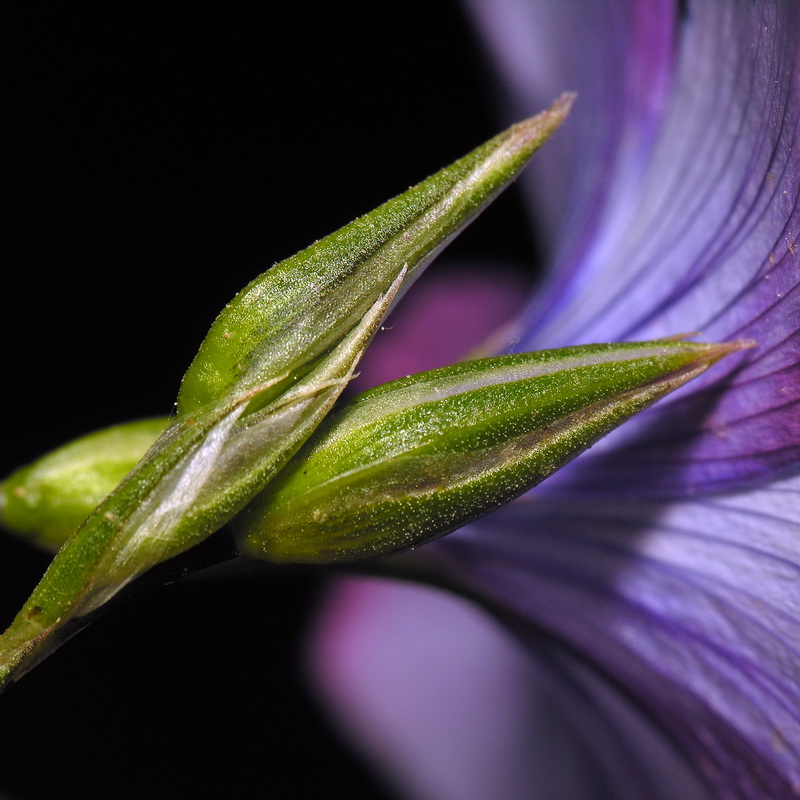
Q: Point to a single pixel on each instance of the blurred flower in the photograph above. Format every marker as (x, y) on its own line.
(649, 591)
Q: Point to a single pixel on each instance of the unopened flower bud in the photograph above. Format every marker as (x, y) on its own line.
(414, 459)
(44, 502)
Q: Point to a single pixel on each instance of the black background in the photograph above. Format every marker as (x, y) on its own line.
(160, 160)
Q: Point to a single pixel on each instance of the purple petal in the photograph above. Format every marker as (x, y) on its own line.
(620, 57)
(695, 228)
(651, 627)
(449, 706)
(451, 701)
(691, 607)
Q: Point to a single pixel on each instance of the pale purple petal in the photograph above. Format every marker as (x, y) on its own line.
(453, 699)
(703, 238)
(681, 616)
(619, 56)
(449, 706)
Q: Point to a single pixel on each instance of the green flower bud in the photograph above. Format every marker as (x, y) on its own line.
(419, 457)
(45, 501)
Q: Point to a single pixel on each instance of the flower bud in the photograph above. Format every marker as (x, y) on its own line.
(295, 311)
(44, 502)
(419, 457)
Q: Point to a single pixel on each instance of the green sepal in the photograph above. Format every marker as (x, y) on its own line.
(419, 457)
(44, 502)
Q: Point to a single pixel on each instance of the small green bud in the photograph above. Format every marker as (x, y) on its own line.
(419, 457)
(45, 501)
